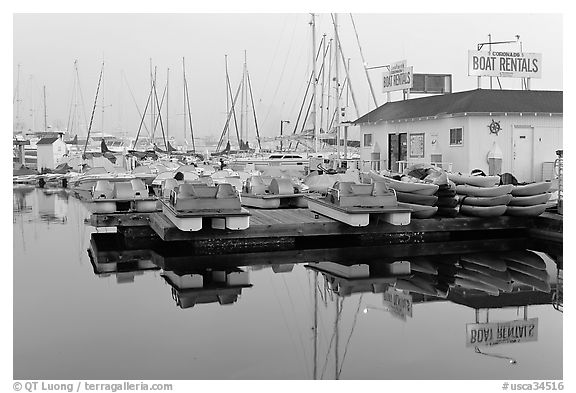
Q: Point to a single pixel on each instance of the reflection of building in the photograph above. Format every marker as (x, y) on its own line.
(207, 286)
(19, 201)
(51, 206)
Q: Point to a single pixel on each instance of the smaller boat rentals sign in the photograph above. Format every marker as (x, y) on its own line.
(522, 330)
(505, 64)
(400, 77)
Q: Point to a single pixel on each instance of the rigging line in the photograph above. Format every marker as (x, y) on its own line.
(93, 110)
(81, 95)
(312, 76)
(283, 314)
(143, 117)
(364, 62)
(233, 108)
(134, 100)
(159, 108)
(331, 340)
(350, 336)
(72, 97)
(189, 115)
(227, 121)
(346, 70)
(253, 109)
(298, 331)
(339, 97)
(281, 73)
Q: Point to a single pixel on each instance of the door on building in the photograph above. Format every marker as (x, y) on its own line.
(523, 153)
(397, 150)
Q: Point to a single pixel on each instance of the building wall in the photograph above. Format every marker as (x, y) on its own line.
(60, 150)
(477, 140)
(45, 157)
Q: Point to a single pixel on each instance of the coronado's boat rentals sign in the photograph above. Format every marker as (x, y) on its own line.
(505, 64)
(523, 330)
(399, 77)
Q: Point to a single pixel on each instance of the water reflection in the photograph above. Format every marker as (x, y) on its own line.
(310, 314)
(49, 205)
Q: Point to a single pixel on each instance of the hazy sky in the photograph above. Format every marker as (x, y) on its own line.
(278, 51)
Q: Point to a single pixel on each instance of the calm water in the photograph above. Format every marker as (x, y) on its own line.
(74, 321)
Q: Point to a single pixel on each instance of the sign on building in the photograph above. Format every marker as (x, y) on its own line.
(522, 330)
(505, 64)
(399, 77)
(431, 84)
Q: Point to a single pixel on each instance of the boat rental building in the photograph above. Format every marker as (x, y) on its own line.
(519, 130)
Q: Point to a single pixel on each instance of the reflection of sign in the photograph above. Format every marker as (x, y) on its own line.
(399, 80)
(416, 145)
(398, 303)
(506, 64)
(522, 330)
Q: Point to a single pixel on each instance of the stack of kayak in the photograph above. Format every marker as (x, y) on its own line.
(448, 205)
(501, 272)
(412, 193)
(481, 196)
(529, 199)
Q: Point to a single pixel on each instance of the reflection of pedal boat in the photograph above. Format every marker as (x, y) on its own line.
(419, 283)
(191, 288)
(190, 203)
(270, 193)
(352, 204)
(123, 196)
(347, 279)
(531, 189)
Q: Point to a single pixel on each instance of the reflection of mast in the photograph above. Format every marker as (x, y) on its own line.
(315, 325)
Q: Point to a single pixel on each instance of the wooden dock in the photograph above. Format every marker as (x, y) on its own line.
(299, 229)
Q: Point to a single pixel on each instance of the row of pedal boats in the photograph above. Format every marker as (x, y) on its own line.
(187, 197)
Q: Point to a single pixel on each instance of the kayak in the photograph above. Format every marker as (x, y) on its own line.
(417, 199)
(478, 181)
(408, 187)
(419, 211)
(486, 259)
(485, 201)
(472, 284)
(530, 200)
(484, 191)
(503, 285)
(525, 257)
(530, 211)
(483, 211)
(531, 189)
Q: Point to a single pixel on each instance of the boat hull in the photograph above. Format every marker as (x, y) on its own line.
(530, 200)
(531, 189)
(484, 191)
(527, 211)
(483, 211)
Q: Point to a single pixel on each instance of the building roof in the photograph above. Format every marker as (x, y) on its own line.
(471, 101)
(47, 141)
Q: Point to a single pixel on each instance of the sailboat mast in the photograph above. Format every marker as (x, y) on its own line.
(17, 99)
(336, 87)
(45, 112)
(227, 89)
(315, 83)
(184, 100)
(102, 100)
(322, 88)
(242, 102)
(167, 95)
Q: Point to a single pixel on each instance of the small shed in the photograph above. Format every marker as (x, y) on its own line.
(50, 152)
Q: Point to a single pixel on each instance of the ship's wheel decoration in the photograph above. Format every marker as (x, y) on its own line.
(494, 127)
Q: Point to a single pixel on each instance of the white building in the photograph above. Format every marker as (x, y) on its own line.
(50, 151)
(523, 128)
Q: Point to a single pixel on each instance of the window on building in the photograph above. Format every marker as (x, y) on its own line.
(456, 137)
(367, 140)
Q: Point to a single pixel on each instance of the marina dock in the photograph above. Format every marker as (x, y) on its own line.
(298, 229)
